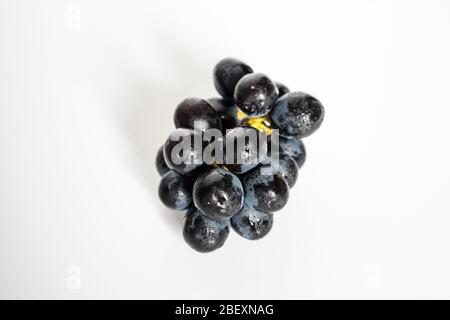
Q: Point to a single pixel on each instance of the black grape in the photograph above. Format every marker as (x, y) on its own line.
(293, 147)
(282, 89)
(196, 111)
(255, 94)
(297, 114)
(226, 111)
(204, 234)
(247, 156)
(175, 190)
(265, 191)
(189, 162)
(227, 73)
(218, 194)
(252, 224)
(161, 165)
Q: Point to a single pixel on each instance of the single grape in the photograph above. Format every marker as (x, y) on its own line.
(293, 147)
(188, 161)
(204, 234)
(282, 89)
(287, 167)
(175, 190)
(227, 73)
(265, 190)
(226, 111)
(297, 114)
(196, 111)
(252, 224)
(241, 149)
(218, 194)
(161, 165)
(255, 94)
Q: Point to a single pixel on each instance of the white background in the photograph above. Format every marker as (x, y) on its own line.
(87, 93)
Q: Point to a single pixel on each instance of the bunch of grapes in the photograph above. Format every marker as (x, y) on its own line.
(242, 187)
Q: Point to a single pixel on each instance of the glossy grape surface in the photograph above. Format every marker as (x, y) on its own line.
(204, 234)
(189, 162)
(282, 89)
(218, 194)
(252, 224)
(287, 167)
(264, 191)
(196, 112)
(247, 156)
(226, 111)
(255, 94)
(297, 114)
(227, 73)
(293, 147)
(161, 165)
(175, 190)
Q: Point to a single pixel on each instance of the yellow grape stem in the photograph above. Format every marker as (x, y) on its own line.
(262, 124)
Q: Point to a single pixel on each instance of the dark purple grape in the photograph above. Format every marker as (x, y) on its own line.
(226, 111)
(282, 89)
(196, 111)
(287, 167)
(204, 234)
(175, 190)
(255, 94)
(161, 165)
(293, 147)
(227, 73)
(189, 162)
(218, 194)
(252, 224)
(265, 190)
(297, 114)
(242, 147)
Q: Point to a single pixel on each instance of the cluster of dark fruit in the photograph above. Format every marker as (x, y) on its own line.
(237, 194)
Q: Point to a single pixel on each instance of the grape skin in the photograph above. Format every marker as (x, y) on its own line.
(297, 114)
(197, 112)
(293, 147)
(204, 234)
(287, 167)
(226, 111)
(255, 94)
(161, 165)
(249, 155)
(175, 190)
(218, 194)
(282, 89)
(252, 224)
(265, 192)
(192, 161)
(227, 73)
